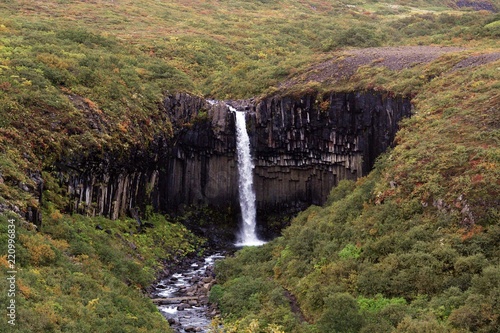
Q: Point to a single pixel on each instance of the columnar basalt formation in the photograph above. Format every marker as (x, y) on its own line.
(302, 147)
(305, 145)
(195, 166)
(199, 164)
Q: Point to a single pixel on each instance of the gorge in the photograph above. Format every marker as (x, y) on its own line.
(372, 137)
(302, 145)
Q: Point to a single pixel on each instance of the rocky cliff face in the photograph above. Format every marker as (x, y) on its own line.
(305, 145)
(302, 147)
(196, 166)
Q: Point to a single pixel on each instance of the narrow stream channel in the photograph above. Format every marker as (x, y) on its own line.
(182, 298)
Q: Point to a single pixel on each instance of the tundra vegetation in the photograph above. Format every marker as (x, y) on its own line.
(412, 247)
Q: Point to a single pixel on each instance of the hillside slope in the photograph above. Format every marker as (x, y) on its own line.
(87, 78)
(234, 49)
(412, 247)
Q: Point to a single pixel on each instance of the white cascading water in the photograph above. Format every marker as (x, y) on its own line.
(248, 236)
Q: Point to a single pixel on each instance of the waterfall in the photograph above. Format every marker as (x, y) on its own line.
(247, 236)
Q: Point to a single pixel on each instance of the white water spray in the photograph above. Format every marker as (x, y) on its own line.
(247, 236)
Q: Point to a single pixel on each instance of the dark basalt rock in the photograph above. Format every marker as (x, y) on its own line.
(302, 147)
(305, 145)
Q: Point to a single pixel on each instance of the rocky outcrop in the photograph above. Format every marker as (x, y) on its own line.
(302, 147)
(475, 5)
(169, 173)
(200, 165)
(305, 145)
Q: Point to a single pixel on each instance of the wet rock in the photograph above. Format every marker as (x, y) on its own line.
(183, 307)
(203, 300)
(194, 311)
(24, 187)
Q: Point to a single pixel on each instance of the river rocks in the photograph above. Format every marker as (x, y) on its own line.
(184, 297)
(208, 279)
(183, 306)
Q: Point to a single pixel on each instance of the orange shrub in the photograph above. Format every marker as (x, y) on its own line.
(40, 252)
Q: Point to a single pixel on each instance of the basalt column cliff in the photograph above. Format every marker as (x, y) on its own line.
(302, 147)
(305, 145)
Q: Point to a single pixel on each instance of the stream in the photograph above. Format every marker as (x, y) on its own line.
(182, 298)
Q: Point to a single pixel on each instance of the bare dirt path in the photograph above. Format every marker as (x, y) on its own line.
(345, 63)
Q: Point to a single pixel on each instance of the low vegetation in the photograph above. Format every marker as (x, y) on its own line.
(86, 274)
(235, 49)
(412, 247)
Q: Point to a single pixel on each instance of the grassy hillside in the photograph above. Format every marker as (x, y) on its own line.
(86, 274)
(86, 77)
(412, 247)
(240, 48)
(80, 78)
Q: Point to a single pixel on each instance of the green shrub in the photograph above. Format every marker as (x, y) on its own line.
(378, 303)
(424, 325)
(341, 315)
(243, 296)
(357, 36)
(446, 302)
(493, 29)
(350, 251)
(216, 294)
(339, 192)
